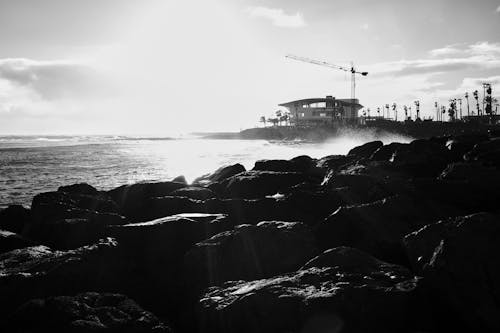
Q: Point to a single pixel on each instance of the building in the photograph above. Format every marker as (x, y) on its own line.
(322, 111)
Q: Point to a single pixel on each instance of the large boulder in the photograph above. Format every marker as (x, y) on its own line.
(67, 220)
(87, 312)
(10, 241)
(153, 253)
(365, 150)
(38, 271)
(462, 144)
(132, 198)
(81, 188)
(343, 290)
(219, 175)
(249, 252)
(155, 208)
(14, 218)
(301, 163)
(335, 162)
(459, 260)
(380, 226)
(386, 152)
(257, 184)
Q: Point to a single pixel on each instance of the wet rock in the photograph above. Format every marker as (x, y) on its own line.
(460, 145)
(180, 179)
(301, 163)
(87, 312)
(459, 260)
(155, 208)
(335, 162)
(471, 172)
(366, 150)
(195, 193)
(369, 296)
(379, 227)
(10, 241)
(249, 252)
(220, 174)
(131, 198)
(14, 218)
(256, 184)
(386, 152)
(483, 148)
(38, 271)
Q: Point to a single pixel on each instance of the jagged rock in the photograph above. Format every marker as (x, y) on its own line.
(38, 271)
(366, 150)
(460, 145)
(10, 241)
(386, 152)
(483, 148)
(14, 218)
(195, 193)
(155, 208)
(301, 163)
(87, 312)
(380, 226)
(471, 172)
(220, 174)
(459, 260)
(368, 296)
(249, 252)
(256, 184)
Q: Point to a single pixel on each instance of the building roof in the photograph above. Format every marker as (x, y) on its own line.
(344, 101)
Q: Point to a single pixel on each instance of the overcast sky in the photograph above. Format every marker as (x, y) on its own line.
(158, 67)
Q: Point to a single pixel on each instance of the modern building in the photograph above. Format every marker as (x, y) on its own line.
(322, 111)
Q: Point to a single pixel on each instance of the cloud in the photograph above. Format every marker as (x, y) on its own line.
(364, 27)
(446, 51)
(278, 17)
(52, 80)
(498, 9)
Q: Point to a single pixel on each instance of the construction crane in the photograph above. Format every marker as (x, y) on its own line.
(351, 70)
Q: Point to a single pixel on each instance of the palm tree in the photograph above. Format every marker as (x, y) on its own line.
(263, 120)
(394, 108)
(279, 114)
(476, 97)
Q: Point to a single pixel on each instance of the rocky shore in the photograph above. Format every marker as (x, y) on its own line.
(388, 238)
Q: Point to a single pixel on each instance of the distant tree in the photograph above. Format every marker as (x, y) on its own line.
(279, 114)
(476, 97)
(273, 121)
(395, 109)
(263, 120)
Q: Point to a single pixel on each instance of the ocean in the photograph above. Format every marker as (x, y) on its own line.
(35, 164)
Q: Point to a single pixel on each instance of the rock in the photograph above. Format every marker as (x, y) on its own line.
(155, 208)
(152, 253)
(471, 172)
(422, 158)
(379, 227)
(87, 312)
(82, 188)
(38, 271)
(14, 218)
(10, 241)
(370, 296)
(257, 184)
(386, 152)
(301, 163)
(459, 260)
(335, 162)
(195, 193)
(483, 148)
(461, 144)
(220, 174)
(249, 252)
(131, 198)
(366, 150)
(180, 179)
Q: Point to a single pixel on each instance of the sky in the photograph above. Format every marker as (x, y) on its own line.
(164, 67)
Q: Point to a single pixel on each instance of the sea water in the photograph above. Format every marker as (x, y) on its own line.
(35, 164)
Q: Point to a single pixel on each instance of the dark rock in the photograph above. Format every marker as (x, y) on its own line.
(38, 271)
(132, 198)
(81, 188)
(14, 218)
(335, 162)
(10, 241)
(379, 227)
(220, 174)
(87, 312)
(386, 152)
(369, 296)
(256, 184)
(301, 163)
(155, 208)
(461, 144)
(152, 253)
(459, 260)
(483, 148)
(195, 193)
(249, 252)
(366, 150)
(180, 179)
(471, 172)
